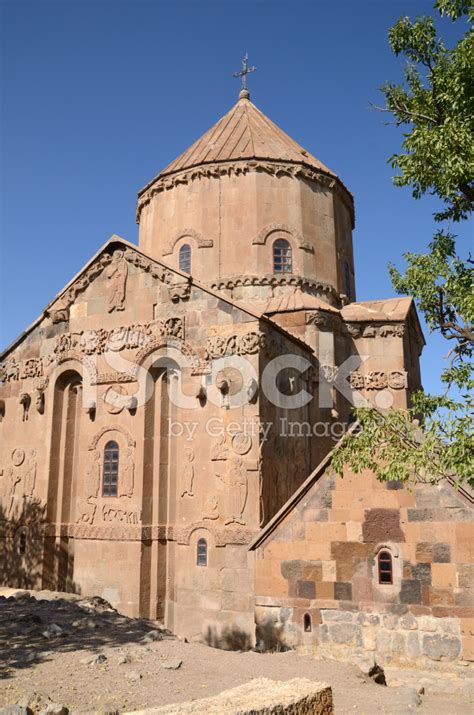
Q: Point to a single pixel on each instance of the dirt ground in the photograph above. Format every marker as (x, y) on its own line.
(85, 655)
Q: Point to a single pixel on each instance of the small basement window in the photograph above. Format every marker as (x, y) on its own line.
(307, 623)
(385, 567)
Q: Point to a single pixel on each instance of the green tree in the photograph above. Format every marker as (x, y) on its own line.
(434, 439)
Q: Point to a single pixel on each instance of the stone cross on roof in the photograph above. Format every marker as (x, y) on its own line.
(244, 94)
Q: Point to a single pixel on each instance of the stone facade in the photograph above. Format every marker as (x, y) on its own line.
(145, 442)
(317, 581)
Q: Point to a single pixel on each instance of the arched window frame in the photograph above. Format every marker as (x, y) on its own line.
(282, 255)
(185, 253)
(385, 568)
(307, 623)
(110, 469)
(201, 552)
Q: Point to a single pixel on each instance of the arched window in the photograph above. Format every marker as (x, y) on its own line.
(282, 259)
(185, 258)
(347, 280)
(111, 466)
(201, 553)
(307, 623)
(385, 568)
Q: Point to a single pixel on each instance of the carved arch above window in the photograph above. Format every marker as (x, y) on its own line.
(111, 428)
(191, 235)
(281, 230)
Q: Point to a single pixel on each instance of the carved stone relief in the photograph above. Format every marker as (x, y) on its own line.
(235, 492)
(198, 239)
(116, 274)
(379, 380)
(369, 330)
(25, 402)
(114, 513)
(266, 233)
(127, 474)
(93, 472)
(322, 320)
(188, 473)
(30, 475)
(111, 428)
(88, 514)
(273, 168)
(245, 344)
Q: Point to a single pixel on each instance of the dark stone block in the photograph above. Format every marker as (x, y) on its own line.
(397, 609)
(343, 591)
(306, 589)
(421, 514)
(422, 573)
(382, 525)
(441, 553)
(394, 484)
(410, 591)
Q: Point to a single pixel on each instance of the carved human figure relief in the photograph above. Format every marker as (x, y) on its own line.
(235, 491)
(93, 471)
(220, 450)
(188, 473)
(25, 402)
(30, 475)
(39, 401)
(117, 274)
(211, 508)
(127, 476)
(88, 514)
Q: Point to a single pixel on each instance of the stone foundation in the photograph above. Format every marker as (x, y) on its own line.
(364, 637)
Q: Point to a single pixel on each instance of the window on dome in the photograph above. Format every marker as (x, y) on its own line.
(282, 257)
(185, 258)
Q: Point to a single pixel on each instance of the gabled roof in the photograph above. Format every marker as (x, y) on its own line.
(123, 243)
(299, 494)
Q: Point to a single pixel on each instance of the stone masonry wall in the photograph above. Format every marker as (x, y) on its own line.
(317, 579)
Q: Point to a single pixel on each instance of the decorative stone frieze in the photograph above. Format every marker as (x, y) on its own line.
(307, 285)
(369, 330)
(245, 344)
(272, 168)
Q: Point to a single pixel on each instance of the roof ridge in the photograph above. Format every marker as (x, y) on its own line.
(246, 107)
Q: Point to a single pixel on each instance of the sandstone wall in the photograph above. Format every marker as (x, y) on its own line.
(320, 561)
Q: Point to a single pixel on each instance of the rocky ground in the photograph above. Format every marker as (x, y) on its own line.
(83, 655)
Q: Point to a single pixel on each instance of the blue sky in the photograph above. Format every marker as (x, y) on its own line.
(99, 95)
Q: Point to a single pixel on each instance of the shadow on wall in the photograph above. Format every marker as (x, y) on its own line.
(21, 544)
(227, 638)
(28, 558)
(269, 634)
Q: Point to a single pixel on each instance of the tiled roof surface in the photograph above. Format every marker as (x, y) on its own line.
(243, 133)
(391, 309)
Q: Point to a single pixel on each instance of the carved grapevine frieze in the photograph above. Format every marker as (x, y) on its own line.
(245, 344)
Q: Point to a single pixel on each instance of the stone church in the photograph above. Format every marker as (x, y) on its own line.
(167, 423)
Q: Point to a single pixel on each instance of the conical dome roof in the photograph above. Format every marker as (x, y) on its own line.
(244, 133)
